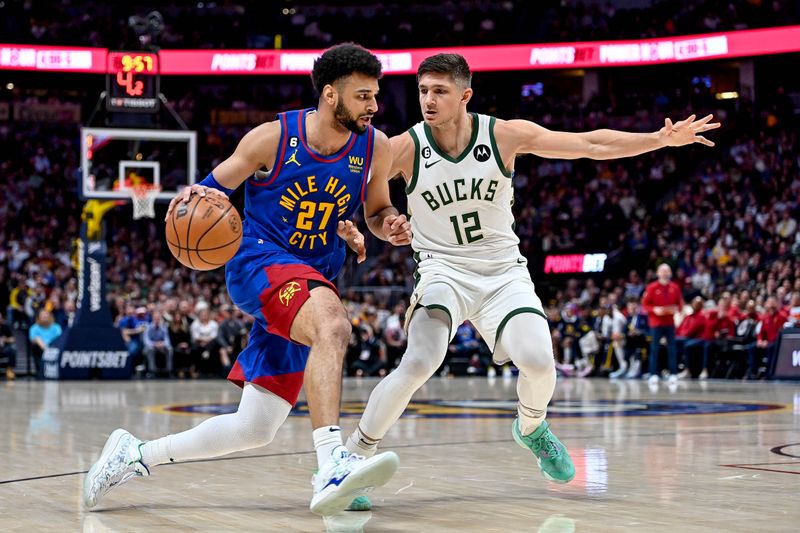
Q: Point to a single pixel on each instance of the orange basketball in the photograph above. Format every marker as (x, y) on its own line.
(205, 232)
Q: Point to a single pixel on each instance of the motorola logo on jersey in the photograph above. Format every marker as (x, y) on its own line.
(288, 291)
(482, 153)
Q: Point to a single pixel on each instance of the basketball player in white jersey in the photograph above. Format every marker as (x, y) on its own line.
(458, 167)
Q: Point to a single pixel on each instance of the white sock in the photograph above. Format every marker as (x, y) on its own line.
(254, 424)
(328, 443)
(361, 444)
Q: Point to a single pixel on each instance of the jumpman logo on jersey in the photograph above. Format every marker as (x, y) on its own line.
(293, 159)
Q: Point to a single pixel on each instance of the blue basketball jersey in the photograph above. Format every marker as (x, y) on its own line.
(297, 206)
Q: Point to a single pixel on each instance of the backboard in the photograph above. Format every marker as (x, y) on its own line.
(115, 159)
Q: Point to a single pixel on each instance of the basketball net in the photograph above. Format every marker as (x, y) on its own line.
(143, 198)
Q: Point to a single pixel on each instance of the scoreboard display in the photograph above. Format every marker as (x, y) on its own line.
(132, 82)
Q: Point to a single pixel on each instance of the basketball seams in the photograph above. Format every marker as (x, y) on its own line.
(175, 230)
(197, 256)
(189, 229)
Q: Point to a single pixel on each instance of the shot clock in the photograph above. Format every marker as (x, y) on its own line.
(132, 82)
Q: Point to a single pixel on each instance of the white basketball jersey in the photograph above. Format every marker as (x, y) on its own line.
(461, 206)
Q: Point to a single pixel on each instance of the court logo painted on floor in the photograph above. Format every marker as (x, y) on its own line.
(508, 408)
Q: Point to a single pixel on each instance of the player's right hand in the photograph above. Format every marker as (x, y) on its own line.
(187, 193)
(355, 240)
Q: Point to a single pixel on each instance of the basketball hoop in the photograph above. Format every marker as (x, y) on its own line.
(143, 198)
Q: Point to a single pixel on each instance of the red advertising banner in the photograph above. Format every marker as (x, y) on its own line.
(481, 58)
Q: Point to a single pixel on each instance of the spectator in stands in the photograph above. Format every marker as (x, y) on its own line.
(689, 335)
(371, 360)
(719, 328)
(394, 335)
(157, 343)
(8, 349)
(211, 357)
(461, 349)
(132, 324)
(662, 300)
(762, 352)
(42, 335)
(793, 311)
(613, 329)
(635, 338)
(180, 339)
(232, 331)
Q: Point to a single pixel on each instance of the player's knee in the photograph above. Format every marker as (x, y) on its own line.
(535, 359)
(420, 368)
(336, 331)
(536, 354)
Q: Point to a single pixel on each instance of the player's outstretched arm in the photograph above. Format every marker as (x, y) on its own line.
(529, 138)
(383, 219)
(257, 149)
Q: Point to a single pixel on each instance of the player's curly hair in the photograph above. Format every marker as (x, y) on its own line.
(342, 60)
(453, 64)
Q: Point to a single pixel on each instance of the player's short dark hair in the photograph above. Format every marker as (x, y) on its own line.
(342, 60)
(453, 64)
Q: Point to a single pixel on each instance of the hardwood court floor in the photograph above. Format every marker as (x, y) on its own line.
(647, 459)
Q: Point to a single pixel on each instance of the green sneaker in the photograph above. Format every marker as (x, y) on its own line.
(551, 455)
(360, 503)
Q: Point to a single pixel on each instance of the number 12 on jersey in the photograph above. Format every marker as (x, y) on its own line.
(471, 224)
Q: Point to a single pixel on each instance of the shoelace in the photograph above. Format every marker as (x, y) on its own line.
(548, 442)
(344, 464)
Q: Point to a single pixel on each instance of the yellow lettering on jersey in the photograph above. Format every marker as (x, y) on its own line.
(331, 186)
(288, 203)
(307, 242)
(311, 186)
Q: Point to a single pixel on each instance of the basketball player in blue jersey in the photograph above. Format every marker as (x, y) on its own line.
(322, 164)
(459, 169)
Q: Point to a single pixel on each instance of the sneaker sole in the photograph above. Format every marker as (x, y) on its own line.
(357, 484)
(111, 443)
(547, 476)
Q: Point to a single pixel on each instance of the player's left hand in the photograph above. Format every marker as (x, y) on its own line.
(397, 229)
(686, 131)
(355, 240)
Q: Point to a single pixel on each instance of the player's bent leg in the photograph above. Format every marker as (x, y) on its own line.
(428, 336)
(124, 457)
(322, 324)
(526, 339)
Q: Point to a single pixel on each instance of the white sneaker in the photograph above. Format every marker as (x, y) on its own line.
(119, 461)
(620, 372)
(672, 379)
(703, 375)
(338, 482)
(634, 370)
(653, 379)
(685, 374)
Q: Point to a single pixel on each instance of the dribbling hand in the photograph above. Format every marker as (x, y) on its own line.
(187, 193)
(355, 240)
(397, 229)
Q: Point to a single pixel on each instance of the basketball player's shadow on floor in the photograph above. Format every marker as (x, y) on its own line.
(111, 520)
